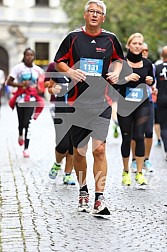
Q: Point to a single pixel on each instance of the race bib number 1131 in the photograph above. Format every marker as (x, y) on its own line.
(92, 67)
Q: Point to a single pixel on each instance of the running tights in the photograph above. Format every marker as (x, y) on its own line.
(135, 123)
(24, 116)
(162, 117)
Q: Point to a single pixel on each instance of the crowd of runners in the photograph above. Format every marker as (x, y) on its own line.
(88, 77)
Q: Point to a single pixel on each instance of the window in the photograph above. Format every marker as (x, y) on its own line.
(4, 60)
(42, 54)
(42, 2)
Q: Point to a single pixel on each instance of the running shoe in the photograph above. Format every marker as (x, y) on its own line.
(158, 143)
(133, 166)
(54, 171)
(140, 179)
(68, 179)
(126, 178)
(26, 153)
(20, 140)
(115, 134)
(100, 208)
(83, 202)
(148, 166)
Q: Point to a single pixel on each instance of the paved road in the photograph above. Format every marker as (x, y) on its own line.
(39, 215)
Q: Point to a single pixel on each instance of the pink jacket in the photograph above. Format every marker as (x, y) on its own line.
(28, 93)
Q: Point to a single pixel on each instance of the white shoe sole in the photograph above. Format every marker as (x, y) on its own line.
(141, 187)
(101, 216)
(84, 210)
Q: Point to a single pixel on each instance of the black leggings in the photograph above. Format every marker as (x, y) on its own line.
(150, 123)
(135, 123)
(162, 116)
(24, 115)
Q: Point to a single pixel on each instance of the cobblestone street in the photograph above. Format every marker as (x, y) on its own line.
(38, 214)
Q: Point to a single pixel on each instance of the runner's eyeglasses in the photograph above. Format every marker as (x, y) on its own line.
(93, 12)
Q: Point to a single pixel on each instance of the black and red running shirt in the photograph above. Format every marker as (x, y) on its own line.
(161, 77)
(80, 46)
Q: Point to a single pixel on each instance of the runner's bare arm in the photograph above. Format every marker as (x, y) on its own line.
(75, 74)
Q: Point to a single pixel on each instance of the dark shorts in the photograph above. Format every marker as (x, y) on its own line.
(63, 135)
(90, 123)
(65, 144)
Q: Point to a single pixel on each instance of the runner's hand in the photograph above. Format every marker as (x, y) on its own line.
(55, 89)
(24, 84)
(113, 77)
(77, 74)
(149, 80)
(132, 77)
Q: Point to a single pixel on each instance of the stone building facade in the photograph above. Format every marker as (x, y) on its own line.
(38, 24)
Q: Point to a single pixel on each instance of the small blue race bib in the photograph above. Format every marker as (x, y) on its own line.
(26, 76)
(92, 67)
(134, 94)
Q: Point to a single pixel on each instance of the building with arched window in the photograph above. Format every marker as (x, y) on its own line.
(39, 24)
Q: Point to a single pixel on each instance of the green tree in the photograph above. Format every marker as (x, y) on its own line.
(126, 17)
